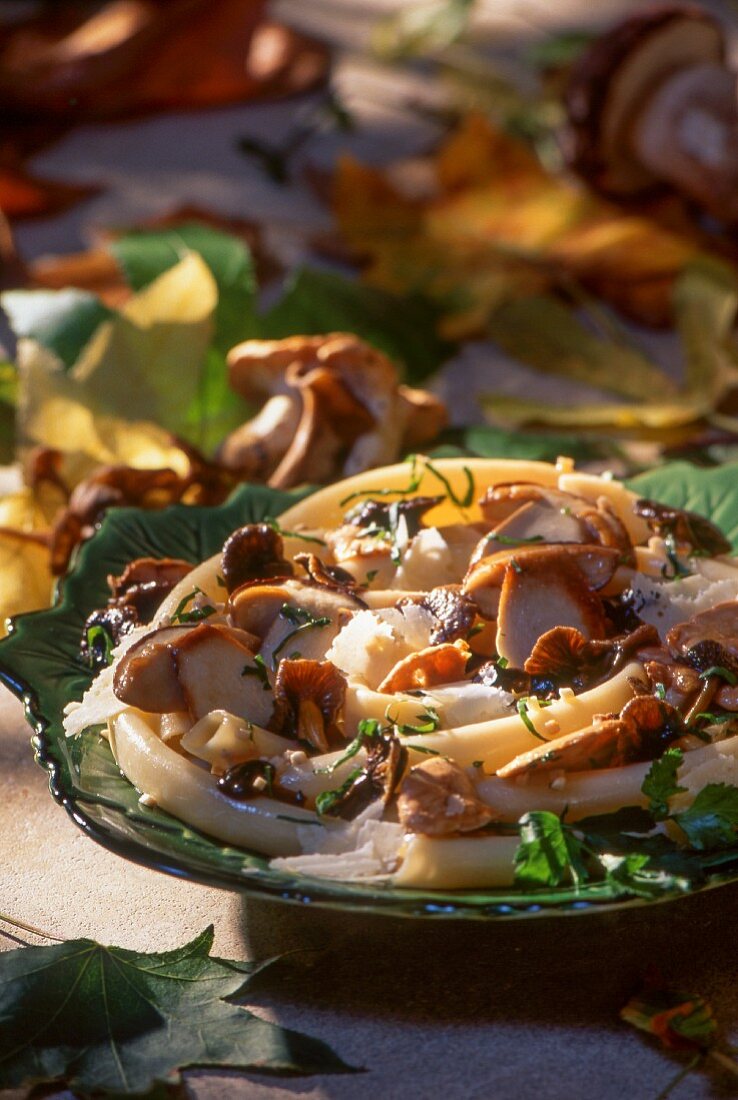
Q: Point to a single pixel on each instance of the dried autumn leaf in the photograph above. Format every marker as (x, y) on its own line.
(681, 1021)
(25, 573)
(144, 362)
(23, 195)
(499, 227)
(126, 57)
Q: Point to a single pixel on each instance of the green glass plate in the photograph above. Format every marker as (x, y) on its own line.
(40, 663)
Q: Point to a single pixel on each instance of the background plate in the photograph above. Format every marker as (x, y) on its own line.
(40, 664)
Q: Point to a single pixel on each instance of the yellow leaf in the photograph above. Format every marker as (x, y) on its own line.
(26, 583)
(139, 367)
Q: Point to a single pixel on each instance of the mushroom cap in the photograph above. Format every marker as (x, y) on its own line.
(613, 78)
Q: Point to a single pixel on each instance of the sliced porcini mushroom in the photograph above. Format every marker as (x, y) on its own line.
(308, 702)
(522, 513)
(253, 552)
(645, 727)
(685, 527)
(709, 639)
(257, 447)
(612, 82)
(438, 664)
(454, 613)
(368, 558)
(162, 571)
(255, 605)
(277, 612)
(146, 675)
(484, 580)
(210, 661)
(539, 592)
(437, 798)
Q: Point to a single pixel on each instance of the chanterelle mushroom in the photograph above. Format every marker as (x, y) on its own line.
(341, 409)
(308, 702)
(653, 101)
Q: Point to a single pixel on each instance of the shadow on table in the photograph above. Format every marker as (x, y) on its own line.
(571, 969)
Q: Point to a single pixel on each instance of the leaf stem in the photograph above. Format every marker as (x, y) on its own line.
(5, 919)
(680, 1076)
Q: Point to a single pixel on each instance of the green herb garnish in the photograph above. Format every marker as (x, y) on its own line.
(97, 654)
(326, 800)
(302, 619)
(523, 712)
(660, 783)
(722, 672)
(260, 670)
(197, 614)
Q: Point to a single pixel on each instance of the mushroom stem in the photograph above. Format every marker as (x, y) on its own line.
(686, 134)
(703, 700)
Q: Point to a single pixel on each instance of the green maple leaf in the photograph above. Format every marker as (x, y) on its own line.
(106, 1020)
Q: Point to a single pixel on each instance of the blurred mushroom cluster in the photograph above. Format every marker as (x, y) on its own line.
(331, 406)
(654, 101)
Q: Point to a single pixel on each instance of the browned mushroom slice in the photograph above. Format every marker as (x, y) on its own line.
(523, 513)
(645, 727)
(437, 798)
(613, 80)
(210, 661)
(146, 675)
(709, 639)
(483, 583)
(680, 683)
(308, 702)
(327, 576)
(539, 592)
(253, 552)
(438, 664)
(386, 761)
(255, 605)
(162, 571)
(453, 611)
(685, 527)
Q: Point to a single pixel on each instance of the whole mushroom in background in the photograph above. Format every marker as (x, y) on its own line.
(652, 102)
(333, 406)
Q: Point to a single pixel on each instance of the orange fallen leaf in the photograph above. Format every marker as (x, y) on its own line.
(500, 227)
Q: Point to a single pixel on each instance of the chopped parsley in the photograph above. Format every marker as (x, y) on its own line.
(722, 672)
(302, 620)
(99, 646)
(197, 614)
(523, 712)
(258, 669)
(328, 800)
(276, 526)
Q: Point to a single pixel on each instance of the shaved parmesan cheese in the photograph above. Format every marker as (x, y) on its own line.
(663, 604)
(374, 641)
